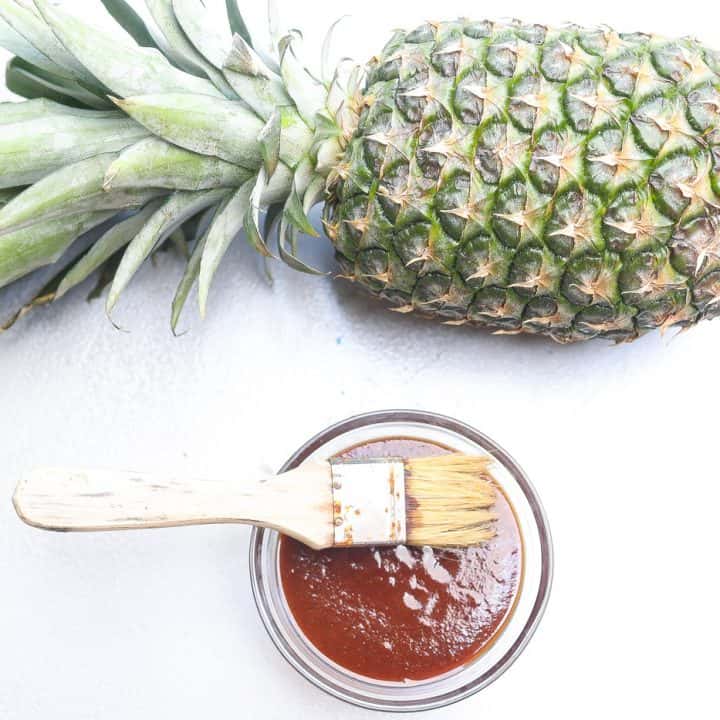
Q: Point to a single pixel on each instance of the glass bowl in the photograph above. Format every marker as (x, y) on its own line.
(411, 696)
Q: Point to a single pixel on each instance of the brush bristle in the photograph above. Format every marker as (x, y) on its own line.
(448, 499)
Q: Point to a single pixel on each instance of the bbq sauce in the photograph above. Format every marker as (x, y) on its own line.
(403, 613)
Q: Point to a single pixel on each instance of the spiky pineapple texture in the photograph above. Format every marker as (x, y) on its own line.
(558, 181)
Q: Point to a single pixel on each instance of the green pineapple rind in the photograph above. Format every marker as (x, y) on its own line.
(557, 181)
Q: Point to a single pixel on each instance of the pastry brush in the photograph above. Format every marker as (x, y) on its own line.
(442, 501)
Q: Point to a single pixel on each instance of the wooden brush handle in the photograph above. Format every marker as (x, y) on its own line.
(298, 502)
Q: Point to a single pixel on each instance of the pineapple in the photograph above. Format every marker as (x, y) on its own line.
(559, 181)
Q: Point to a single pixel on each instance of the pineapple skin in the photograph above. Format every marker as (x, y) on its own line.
(527, 179)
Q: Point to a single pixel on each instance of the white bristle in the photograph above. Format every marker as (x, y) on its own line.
(448, 500)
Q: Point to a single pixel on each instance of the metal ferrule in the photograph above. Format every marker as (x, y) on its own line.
(369, 502)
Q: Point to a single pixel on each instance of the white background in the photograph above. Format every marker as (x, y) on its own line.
(621, 442)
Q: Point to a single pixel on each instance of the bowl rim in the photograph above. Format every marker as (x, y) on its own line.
(431, 419)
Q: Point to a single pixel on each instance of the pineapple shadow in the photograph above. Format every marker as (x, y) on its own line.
(242, 273)
(375, 316)
(371, 321)
(362, 310)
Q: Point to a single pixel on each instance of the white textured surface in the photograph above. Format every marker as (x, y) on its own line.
(620, 441)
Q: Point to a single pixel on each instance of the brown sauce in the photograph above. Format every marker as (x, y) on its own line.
(404, 613)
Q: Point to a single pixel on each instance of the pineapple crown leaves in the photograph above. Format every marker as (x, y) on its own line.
(177, 131)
